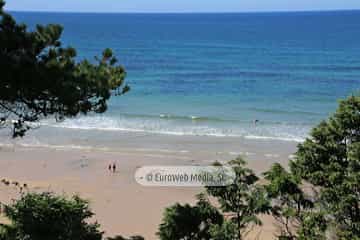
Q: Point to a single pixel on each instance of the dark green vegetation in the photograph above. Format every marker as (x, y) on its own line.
(293, 210)
(330, 161)
(240, 203)
(41, 78)
(46, 216)
(187, 222)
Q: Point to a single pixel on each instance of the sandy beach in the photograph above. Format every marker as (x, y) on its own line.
(179, 83)
(122, 206)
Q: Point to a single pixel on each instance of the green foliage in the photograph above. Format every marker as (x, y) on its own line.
(40, 78)
(226, 231)
(46, 216)
(330, 160)
(313, 226)
(290, 205)
(243, 200)
(7, 232)
(182, 222)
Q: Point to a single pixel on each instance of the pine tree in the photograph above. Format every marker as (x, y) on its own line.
(41, 78)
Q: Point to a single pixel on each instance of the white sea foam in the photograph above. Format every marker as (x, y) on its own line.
(241, 153)
(291, 156)
(293, 139)
(176, 126)
(270, 155)
(54, 146)
(34, 143)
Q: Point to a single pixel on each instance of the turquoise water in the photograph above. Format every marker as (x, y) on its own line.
(214, 74)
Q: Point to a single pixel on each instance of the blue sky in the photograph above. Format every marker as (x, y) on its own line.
(179, 5)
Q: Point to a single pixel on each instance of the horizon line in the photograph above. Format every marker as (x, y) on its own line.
(187, 12)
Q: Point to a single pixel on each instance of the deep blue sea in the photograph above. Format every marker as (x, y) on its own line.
(214, 74)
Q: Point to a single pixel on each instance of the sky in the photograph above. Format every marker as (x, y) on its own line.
(179, 5)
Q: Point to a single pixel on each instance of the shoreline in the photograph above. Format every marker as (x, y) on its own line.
(142, 142)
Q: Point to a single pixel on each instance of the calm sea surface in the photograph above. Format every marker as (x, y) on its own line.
(214, 74)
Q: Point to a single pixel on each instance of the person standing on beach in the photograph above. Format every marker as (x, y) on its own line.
(114, 167)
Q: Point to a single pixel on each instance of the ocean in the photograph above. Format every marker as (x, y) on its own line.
(214, 74)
